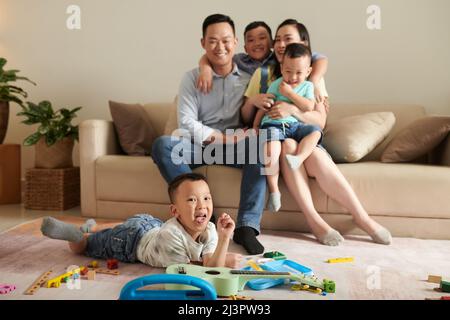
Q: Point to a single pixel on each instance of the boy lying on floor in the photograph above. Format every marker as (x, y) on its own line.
(187, 237)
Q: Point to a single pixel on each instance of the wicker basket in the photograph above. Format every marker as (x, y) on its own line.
(52, 189)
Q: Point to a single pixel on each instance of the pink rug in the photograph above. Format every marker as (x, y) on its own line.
(397, 271)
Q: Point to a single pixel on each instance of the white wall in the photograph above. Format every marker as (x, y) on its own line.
(137, 50)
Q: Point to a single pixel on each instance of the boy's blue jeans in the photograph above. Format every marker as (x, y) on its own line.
(242, 155)
(121, 242)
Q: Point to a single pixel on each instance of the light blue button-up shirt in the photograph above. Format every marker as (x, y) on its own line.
(200, 114)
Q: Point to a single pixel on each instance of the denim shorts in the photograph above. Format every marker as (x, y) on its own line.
(293, 130)
(121, 241)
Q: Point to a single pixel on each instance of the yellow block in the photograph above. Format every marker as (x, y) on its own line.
(338, 260)
(252, 264)
(434, 279)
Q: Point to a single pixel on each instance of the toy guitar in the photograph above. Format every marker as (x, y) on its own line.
(228, 281)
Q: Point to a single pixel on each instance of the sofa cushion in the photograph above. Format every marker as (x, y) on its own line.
(404, 115)
(398, 189)
(131, 179)
(351, 138)
(133, 127)
(417, 139)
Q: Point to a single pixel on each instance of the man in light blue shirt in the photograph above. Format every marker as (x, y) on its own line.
(205, 120)
(203, 114)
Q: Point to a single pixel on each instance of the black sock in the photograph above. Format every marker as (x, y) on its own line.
(246, 236)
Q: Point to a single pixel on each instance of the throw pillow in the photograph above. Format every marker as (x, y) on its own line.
(350, 139)
(417, 139)
(133, 127)
(172, 122)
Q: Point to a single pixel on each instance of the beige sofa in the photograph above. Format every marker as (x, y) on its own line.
(412, 200)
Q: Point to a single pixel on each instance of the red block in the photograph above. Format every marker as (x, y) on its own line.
(112, 264)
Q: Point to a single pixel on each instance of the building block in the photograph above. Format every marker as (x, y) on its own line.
(264, 260)
(84, 271)
(107, 271)
(56, 282)
(434, 279)
(91, 275)
(339, 260)
(252, 264)
(6, 288)
(445, 286)
(112, 264)
(274, 255)
(38, 283)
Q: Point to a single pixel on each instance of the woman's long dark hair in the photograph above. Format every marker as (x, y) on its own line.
(304, 36)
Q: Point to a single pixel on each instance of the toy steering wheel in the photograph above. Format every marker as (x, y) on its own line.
(130, 290)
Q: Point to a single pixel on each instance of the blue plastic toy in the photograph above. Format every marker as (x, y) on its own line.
(130, 290)
(278, 266)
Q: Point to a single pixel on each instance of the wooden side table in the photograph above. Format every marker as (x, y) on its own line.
(52, 189)
(10, 174)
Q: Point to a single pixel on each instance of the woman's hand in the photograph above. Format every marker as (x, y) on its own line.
(263, 101)
(318, 95)
(281, 109)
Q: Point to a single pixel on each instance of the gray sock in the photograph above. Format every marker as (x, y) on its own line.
(88, 225)
(332, 238)
(274, 203)
(382, 236)
(56, 229)
(293, 161)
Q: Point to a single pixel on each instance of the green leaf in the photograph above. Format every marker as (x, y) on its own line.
(26, 79)
(32, 139)
(43, 129)
(50, 139)
(2, 62)
(75, 110)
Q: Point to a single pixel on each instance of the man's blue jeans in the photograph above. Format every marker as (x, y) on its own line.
(189, 156)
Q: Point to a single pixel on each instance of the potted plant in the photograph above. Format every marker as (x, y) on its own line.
(9, 92)
(55, 136)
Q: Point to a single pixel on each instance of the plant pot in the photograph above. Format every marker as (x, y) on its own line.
(56, 156)
(4, 118)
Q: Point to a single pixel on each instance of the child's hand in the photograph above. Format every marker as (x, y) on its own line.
(233, 260)
(204, 80)
(263, 101)
(285, 89)
(225, 226)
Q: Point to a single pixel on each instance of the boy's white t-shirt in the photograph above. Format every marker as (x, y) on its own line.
(171, 244)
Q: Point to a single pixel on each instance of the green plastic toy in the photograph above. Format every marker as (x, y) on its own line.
(445, 286)
(276, 255)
